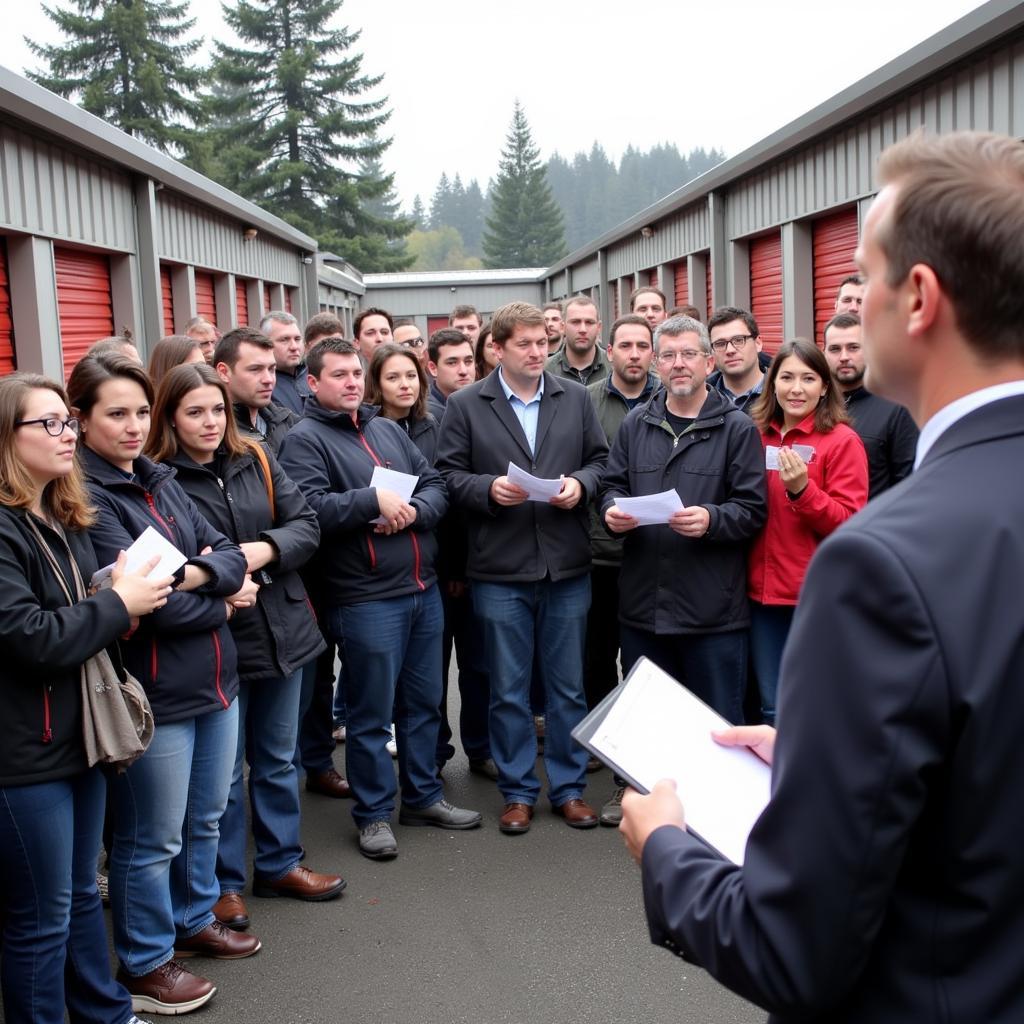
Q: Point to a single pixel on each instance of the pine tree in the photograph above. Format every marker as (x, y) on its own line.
(128, 63)
(418, 215)
(525, 225)
(298, 136)
(440, 203)
(473, 218)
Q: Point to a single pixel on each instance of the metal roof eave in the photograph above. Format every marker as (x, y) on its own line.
(38, 106)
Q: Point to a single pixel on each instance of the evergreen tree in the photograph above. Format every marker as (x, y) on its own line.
(440, 203)
(525, 225)
(473, 218)
(419, 215)
(298, 135)
(128, 63)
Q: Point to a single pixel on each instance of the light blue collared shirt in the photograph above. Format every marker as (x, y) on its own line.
(950, 414)
(528, 413)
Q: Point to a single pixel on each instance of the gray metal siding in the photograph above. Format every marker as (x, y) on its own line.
(585, 275)
(679, 235)
(440, 300)
(187, 233)
(50, 191)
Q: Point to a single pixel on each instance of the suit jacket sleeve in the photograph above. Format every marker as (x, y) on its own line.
(864, 719)
(455, 462)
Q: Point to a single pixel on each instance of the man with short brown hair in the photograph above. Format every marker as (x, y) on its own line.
(649, 303)
(581, 358)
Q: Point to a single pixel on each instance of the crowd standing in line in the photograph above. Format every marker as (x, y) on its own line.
(254, 453)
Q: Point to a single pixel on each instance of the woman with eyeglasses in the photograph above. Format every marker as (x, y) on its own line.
(398, 384)
(167, 805)
(243, 492)
(817, 477)
(51, 801)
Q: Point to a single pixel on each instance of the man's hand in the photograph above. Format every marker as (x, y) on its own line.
(618, 521)
(504, 492)
(398, 514)
(692, 521)
(641, 815)
(760, 739)
(569, 495)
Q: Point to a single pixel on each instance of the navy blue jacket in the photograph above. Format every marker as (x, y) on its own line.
(331, 459)
(183, 653)
(292, 389)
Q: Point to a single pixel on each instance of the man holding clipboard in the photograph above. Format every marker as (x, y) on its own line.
(884, 880)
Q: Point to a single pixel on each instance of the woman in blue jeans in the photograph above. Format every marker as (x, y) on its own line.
(243, 492)
(167, 806)
(51, 801)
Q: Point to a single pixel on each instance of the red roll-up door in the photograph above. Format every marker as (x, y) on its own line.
(835, 241)
(84, 307)
(241, 303)
(710, 284)
(614, 286)
(8, 363)
(287, 300)
(766, 289)
(266, 298)
(680, 285)
(652, 277)
(167, 292)
(206, 299)
(435, 323)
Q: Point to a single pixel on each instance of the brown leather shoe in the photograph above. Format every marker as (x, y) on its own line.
(301, 884)
(515, 818)
(169, 989)
(230, 910)
(577, 813)
(219, 942)
(329, 783)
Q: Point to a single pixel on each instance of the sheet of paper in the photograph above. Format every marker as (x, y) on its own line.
(403, 484)
(149, 544)
(657, 729)
(651, 509)
(771, 454)
(536, 488)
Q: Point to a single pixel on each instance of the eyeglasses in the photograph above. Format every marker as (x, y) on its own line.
(53, 426)
(738, 342)
(416, 342)
(688, 356)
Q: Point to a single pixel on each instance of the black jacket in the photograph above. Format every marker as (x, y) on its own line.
(292, 389)
(277, 419)
(43, 642)
(331, 459)
(183, 654)
(279, 634)
(675, 584)
(423, 433)
(480, 435)
(436, 402)
(889, 435)
(884, 882)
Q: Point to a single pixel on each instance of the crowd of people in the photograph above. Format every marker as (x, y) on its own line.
(353, 500)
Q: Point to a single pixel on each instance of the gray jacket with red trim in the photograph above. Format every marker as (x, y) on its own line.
(183, 653)
(331, 458)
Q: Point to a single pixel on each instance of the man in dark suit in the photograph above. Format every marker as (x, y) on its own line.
(884, 882)
(529, 561)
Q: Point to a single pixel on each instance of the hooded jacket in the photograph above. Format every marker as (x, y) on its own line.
(183, 653)
(279, 634)
(43, 643)
(675, 584)
(331, 458)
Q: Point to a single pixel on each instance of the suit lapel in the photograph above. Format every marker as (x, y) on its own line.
(553, 392)
(503, 410)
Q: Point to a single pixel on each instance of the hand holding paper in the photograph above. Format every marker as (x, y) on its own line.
(148, 545)
(537, 489)
(400, 486)
(651, 509)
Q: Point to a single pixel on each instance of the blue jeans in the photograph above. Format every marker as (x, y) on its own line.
(167, 810)
(314, 751)
(769, 628)
(55, 942)
(711, 665)
(519, 619)
(268, 724)
(392, 654)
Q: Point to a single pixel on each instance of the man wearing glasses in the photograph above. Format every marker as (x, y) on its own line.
(682, 587)
(406, 333)
(738, 359)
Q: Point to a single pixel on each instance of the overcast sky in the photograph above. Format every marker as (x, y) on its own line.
(723, 73)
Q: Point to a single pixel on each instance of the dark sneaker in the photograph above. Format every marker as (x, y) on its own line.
(377, 841)
(442, 815)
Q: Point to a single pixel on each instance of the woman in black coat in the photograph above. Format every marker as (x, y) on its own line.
(243, 492)
(398, 384)
(51, 800)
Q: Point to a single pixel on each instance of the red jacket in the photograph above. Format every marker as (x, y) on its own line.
(837, 486)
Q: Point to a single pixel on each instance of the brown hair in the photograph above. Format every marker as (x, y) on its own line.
(65, 498)
(170, 352)
(629, 318)
(643, 291)
(179, 381)
(482, 369)
(463, 311)
(509, 317)
(831, 410)
(321, 325)
(381, 354)
(228, 346)
(95, 370)
(960, 211)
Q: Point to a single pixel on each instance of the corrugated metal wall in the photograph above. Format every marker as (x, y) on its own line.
(435, 300)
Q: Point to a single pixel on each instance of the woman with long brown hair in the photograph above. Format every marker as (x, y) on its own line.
(817, 477)
(172, 351)
(398, 384)
(241, 490)
(51, 799)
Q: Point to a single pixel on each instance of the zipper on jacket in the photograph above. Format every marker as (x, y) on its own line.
(216, 675)
(47, 728)
(372, 550)
(416, 561)
(153, 661)
(159, 518)
(373, 454)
